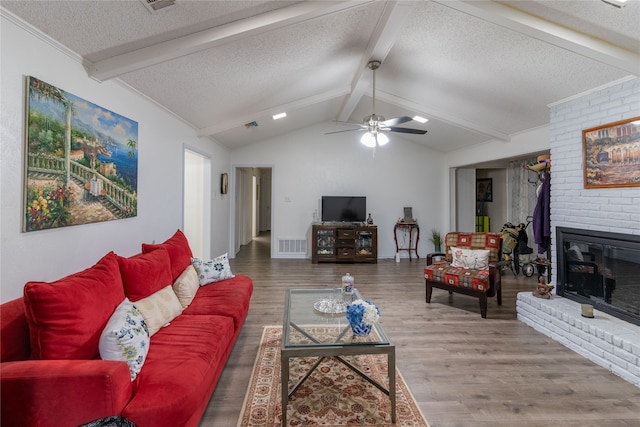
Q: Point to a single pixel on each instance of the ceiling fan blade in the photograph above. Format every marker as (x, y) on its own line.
(406, 130)
(396, 121)
(348, 123)
(340, 131)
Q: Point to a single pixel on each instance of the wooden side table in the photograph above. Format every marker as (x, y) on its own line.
(407, 228)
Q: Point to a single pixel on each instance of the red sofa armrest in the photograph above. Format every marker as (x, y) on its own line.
(62, 392)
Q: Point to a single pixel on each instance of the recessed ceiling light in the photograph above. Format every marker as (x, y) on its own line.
(279, 116)
(617, 3)
(420, 119)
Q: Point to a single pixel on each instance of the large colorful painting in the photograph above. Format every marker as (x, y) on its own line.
(612, 154)
(81, 161)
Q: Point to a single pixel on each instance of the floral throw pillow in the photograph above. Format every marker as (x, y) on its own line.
(126, 338)
(477, 259)
(212, 271)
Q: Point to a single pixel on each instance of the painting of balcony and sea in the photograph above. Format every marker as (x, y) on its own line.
(81, 161)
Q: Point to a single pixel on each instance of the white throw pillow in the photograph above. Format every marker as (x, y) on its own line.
(186, 286)
(477, 259)
(213, 271)
(160, 308)
(126, 338)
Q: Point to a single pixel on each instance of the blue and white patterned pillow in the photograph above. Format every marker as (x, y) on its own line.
(126, 338)
(212, 271)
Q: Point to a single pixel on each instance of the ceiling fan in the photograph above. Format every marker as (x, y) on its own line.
(375, 124)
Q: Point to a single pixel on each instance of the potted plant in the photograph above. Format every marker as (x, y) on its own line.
(436, 239)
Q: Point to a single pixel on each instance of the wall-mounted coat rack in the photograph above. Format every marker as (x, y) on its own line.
(542, 167)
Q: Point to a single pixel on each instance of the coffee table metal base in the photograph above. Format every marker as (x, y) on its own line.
(337, 352)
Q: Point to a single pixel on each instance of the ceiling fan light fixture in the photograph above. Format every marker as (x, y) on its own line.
(369, 139)
(420, 119)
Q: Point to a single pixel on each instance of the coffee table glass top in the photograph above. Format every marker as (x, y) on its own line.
(317, 318)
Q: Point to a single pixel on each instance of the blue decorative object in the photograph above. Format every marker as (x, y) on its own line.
(361, 329)
(362, 315)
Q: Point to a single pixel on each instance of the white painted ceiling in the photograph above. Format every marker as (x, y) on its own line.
(479, 70)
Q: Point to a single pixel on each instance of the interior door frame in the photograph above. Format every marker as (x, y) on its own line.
(241, 192)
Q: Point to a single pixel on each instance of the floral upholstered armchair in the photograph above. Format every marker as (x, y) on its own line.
(470, 265)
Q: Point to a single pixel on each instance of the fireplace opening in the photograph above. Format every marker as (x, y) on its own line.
(602, 269)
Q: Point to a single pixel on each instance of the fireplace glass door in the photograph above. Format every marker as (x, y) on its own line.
(602, 271)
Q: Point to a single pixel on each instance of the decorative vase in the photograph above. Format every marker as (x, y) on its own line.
(347, 284)
(361, 329)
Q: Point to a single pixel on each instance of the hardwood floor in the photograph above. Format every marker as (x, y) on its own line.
(462, 370)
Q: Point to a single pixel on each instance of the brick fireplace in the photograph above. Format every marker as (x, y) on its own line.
(609, 339)
(601, 270)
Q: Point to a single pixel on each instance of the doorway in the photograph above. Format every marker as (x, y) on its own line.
(197, 203)
(252, 208)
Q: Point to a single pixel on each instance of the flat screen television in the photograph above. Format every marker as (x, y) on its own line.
(344, 208)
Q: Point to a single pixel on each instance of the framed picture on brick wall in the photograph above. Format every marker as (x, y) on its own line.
(611, 155)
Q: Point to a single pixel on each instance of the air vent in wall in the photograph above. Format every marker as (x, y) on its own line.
(155, 5)
(292, 246)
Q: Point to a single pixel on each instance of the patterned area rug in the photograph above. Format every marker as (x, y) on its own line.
(332, 396)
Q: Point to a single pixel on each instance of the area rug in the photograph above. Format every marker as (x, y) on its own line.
(332, 396)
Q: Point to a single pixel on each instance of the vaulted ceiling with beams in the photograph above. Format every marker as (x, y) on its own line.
(478, 70)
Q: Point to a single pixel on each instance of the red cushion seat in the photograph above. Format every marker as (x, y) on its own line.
(228, 297)
(184, 362)
(456, 276)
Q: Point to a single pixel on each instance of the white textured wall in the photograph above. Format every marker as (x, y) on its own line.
(603, 209)
(309, 164)
(51, 254)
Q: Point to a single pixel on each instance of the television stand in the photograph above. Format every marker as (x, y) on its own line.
(344, 224)
(344, 242)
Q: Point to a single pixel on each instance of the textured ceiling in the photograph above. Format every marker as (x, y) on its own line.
(479, 70)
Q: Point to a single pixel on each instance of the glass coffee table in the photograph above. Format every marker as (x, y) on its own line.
(315, 325)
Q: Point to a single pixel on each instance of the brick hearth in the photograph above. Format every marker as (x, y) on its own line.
(605, 340)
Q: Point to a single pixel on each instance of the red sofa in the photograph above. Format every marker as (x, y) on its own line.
(51, 372)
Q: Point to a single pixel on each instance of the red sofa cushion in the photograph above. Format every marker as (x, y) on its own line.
(228, 297)
(66, 317)
(145, 274)
(179, 252)
(184, 362)
(14, 332)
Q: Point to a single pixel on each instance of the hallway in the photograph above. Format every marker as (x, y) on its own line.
(259, 249)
